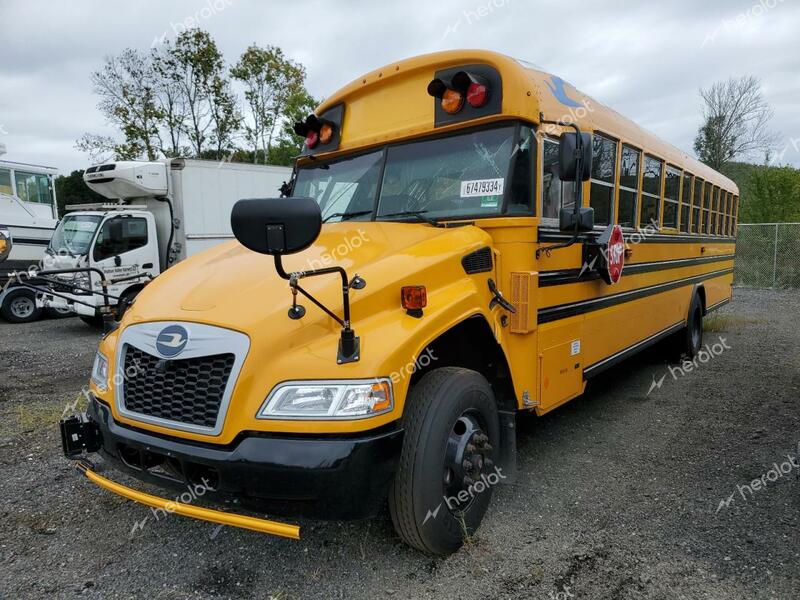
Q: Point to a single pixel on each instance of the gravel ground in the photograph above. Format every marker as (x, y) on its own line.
(619, 493)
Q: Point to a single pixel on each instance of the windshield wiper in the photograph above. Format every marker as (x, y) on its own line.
(415, 213)
(347, 215)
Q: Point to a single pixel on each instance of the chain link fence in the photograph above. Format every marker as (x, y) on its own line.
(768, 255)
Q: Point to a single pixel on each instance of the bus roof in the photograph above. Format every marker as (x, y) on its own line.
(392, 103)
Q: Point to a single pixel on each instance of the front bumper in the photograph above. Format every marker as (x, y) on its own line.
(339, 478)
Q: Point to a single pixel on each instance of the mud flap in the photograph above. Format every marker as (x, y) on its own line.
(508, 445)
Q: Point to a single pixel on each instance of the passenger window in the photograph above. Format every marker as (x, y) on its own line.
(706, 227)
(686, 201)
(556, 194)
(628, 186)
(119, 235)
(651, 192)
(696, 202)
(671, 193)
(601, 194)
(5, 182)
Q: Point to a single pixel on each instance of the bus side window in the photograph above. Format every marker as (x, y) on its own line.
(651, 192)
(556, 194)
(601, 192)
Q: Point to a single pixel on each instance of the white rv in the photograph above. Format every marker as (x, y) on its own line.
(164, 211)
(28, 217)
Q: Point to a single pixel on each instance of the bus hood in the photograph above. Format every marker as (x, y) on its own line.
(233, 287)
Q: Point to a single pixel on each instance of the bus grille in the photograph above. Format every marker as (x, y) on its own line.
(187, 390)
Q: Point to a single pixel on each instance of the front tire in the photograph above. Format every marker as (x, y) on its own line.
(19, 306)
(443, 485)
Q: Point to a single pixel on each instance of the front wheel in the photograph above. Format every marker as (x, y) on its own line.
(19, 306)
(443, 485)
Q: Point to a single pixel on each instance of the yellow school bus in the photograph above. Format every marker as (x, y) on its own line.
(465, 237)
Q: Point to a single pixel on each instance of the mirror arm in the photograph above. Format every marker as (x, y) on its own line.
(578, 185)
(349, 348)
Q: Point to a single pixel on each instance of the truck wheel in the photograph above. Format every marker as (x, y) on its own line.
(19, 306)
(444, 481)
(689, 340)
(58, 313)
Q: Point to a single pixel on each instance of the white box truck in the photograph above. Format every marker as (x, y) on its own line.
(104, 254)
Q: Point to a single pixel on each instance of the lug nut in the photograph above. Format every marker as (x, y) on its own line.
(477, 462)
(471, 448)
(467, 465)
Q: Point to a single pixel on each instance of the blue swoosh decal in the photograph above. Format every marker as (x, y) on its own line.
(556, 85)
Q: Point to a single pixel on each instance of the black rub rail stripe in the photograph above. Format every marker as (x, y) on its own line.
(640, 238)
(567, 276)
(562, 311)
(30, 241)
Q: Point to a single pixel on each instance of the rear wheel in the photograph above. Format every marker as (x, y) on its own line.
(443, 485)
(19, 306)
(689, 340)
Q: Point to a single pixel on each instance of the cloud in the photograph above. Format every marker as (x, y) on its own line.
(646, 60)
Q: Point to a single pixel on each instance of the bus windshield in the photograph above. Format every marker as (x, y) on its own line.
(449, 177)
(74, 235)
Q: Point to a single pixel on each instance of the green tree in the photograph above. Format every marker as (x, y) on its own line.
(771, 195)
(274, 85)
(127, 86)
(71, 189)
(735, 118)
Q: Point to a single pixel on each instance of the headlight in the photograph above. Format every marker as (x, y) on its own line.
(328, 400)
(100, 372)
(82, 280)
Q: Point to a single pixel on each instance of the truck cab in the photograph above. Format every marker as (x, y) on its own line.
(120, 241)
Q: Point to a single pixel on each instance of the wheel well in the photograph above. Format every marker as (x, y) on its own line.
(701, 291)
(470, 344)
(134, 288)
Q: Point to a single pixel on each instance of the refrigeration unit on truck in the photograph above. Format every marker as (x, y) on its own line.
(28, 216)
(158, 214)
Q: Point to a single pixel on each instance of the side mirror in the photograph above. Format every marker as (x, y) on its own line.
(6, 243)
(567, 218)
(567, 157)
(276, 226)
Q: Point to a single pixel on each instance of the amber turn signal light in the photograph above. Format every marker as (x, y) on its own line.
(325, 133)
(413, 297)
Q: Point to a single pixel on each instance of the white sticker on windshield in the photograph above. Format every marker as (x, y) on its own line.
(482, 187)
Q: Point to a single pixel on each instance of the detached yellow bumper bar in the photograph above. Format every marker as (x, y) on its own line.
(187, 510)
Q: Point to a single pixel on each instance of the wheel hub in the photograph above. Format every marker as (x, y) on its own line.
(467, 458)
(22, 308)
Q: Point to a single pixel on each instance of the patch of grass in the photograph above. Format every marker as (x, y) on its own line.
(32, 416)
(722, 322)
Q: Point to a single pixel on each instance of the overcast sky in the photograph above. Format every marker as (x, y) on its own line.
(645, 59)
